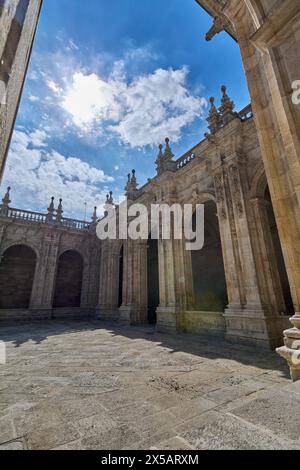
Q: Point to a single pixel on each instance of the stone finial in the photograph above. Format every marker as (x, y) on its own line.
(50, 210)
(59, 212)
(160, 153)
(109, 203)
(95, 217)
(213, 117)
(133, 179)
(132, 185)
(5, 202)
(51, 207)
(291, 349)
(168, 152)
(110, 199)
(165, 160)
(226, 101)
(227, 107)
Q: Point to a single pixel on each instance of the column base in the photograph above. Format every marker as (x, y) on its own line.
(107, 314)
(73, 313)
(27, 315)
(254, 327)
(167, 320)
(291, 349)
(133, 316)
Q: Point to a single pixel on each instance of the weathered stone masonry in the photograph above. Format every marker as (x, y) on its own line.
(248, 167)
(52, 239)
(267, 32)
(224, 172)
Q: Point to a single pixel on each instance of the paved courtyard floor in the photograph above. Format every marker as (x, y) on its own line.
(99, 386)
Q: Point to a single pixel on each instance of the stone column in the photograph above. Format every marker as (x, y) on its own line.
(240, 218)
(229, 242)
(251, 315)
(269, 278)
(268, 46)
(175, 284)
(2, 234)
(45, 274)
(134, 306)
(91, 280)
(257, 322)
(107, 308)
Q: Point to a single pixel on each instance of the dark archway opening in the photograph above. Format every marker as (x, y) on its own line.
(68, 280)
(152, 280)
(210, 288)
(121, 267)
(17, 270)
(279, 256)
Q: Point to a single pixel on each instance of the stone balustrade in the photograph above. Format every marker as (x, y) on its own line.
(246, 113)
(40, 218)
(185, 160)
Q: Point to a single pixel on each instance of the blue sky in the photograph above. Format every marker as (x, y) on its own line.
(108, 81)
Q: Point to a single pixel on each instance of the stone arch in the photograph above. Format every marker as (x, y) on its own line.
(199, 197)
(73, 247)
(259, 182)
(69, 279)
(17, 270)
(260, 190)
(210, 288)
(256, 12)
(24, 242)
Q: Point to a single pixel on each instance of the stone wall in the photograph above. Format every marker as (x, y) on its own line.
(50, 242)
(226, 170)
(18, 22)
(268, 35)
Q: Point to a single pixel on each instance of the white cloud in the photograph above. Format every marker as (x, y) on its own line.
(33, 98)
(89, 99)
(54, 87)
(120, 102)
(158, 105)
(36, 174)
(139, 113)
(72, 45)
(38, 138)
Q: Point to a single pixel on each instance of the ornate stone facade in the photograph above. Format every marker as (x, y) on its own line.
(268, 35)
(50, 240)
(235, 287)
(248, 168)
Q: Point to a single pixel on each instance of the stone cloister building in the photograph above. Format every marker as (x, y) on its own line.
(236, 286)
(246, 172)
